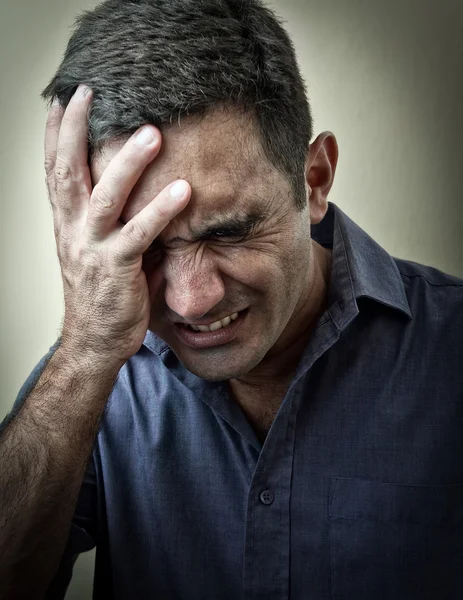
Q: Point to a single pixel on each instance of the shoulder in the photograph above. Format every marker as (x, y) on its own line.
(147, 376)
(411, 271)
(435, 298)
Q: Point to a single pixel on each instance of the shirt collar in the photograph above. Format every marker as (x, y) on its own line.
(360, 268)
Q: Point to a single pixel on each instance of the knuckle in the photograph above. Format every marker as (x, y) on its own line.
(136, 230)
(63, 172)
(102, 200)
(160, 211)
(49, 164)
(63, 232)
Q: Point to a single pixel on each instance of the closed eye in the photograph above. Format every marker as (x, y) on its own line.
(236, 234)
(227, 235)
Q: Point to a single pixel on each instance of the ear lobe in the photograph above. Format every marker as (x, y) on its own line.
(317, 212)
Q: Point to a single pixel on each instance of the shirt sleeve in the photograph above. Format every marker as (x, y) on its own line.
(82, 535)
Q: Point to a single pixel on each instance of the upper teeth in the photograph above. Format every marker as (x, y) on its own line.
(216, 325)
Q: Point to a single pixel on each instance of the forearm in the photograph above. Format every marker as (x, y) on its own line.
(44, 453)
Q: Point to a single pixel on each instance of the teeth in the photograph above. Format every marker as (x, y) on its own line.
(217, 325)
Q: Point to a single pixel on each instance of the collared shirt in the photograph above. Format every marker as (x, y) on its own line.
(357, 491)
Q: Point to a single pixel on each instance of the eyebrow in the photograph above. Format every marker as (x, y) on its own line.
(227, 226)
(238, 225)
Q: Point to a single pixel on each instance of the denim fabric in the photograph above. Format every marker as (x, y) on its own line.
(357, 492)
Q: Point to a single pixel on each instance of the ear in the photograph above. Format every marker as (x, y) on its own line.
(320, 169)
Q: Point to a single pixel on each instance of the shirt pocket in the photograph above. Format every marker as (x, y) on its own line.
(391, 541)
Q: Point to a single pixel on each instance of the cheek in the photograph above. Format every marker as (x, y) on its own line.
(263, 269)
(257, 268)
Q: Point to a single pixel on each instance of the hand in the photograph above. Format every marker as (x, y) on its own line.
(107, 305)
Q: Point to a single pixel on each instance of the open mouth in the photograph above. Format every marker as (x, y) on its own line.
(214, 326)
(215, 334)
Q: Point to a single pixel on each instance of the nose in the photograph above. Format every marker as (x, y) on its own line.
(191, 292)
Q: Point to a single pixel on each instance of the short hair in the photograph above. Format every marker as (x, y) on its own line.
(156, 61)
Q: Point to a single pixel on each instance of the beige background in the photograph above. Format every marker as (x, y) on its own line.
(385, 77)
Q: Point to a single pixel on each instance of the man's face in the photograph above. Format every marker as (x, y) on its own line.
(240, 245)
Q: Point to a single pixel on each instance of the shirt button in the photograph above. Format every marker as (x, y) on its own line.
(267, 497)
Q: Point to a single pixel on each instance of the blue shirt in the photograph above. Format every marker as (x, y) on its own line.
(357, 491)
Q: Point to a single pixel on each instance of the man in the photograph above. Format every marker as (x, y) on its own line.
(250, 398)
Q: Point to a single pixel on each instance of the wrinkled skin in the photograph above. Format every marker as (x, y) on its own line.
(277, 271)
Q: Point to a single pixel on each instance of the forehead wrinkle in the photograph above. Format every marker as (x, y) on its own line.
(220, 161)
(215, 155)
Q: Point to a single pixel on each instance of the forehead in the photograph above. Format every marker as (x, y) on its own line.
(220, 156)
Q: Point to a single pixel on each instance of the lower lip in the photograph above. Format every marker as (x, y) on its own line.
(208, 339)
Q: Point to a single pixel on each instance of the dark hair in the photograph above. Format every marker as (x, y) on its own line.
(154, 61)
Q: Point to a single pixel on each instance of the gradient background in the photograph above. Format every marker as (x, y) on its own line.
(385, 77)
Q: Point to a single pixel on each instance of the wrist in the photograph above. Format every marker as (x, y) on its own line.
(86, 361)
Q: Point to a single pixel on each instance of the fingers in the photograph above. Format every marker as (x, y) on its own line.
(138, 234)
(118, 179)
(70, 183)
(55, 116)
(72, 180)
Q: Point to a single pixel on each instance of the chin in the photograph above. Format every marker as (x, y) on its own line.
(219, 363)
(219, 368)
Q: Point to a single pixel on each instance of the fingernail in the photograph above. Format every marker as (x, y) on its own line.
(83, 90)
(55, 101)
(145, 137)
(178, 190)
